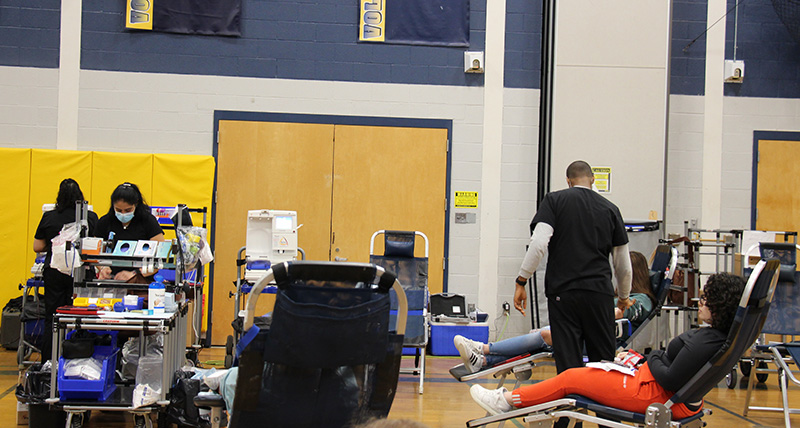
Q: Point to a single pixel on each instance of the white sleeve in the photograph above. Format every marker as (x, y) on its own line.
(536, 249)
(622, 270)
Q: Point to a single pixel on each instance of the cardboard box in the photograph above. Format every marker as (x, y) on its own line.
(22, 413)
(442, 334)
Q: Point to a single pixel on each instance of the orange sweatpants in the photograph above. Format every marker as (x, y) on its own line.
(612, 388)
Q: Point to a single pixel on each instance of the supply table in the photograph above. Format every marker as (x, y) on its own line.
(172, 325)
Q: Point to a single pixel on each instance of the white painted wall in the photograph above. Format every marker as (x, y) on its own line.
(610, 97)
(28, 107)
(741, 117)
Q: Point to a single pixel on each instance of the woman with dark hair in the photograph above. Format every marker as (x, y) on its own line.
(58, 287)
(477, 355)
(129, 218)
(655, 381)
(641, 292)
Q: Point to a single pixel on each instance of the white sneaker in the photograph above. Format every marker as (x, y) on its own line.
(471, 352)
(491, 400)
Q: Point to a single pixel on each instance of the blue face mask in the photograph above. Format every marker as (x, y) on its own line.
(124, 217)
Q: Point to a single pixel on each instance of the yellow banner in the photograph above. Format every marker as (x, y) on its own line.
(139, 14)
(373, 21)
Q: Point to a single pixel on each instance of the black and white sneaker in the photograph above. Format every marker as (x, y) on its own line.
(471, 352)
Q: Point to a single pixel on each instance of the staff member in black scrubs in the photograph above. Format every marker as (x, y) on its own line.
(58, 287)
(129, 218)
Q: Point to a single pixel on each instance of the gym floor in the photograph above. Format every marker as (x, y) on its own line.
(446, 402)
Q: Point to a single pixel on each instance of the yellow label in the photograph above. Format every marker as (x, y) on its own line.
(139, 14)
(602, 179)
(466, 199)
(372, 27)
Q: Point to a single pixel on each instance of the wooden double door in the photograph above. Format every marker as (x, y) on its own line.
(344, 181)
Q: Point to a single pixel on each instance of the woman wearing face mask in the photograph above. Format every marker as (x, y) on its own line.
(129, 219)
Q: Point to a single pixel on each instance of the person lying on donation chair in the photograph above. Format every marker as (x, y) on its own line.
(477, 355)
(656, 377)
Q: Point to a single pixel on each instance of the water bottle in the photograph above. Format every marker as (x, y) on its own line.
(155, 295)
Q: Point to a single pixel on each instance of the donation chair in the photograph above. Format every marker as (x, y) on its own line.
(663, 267)
(783, 319)
(746, 327)
(661, 272)
(412, 272)
(328, 357)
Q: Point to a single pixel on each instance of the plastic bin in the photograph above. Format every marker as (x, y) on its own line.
(86, 389)
(442, 336)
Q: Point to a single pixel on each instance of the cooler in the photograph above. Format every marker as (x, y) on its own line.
(442, 334)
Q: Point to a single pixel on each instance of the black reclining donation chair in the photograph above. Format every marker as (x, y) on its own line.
(412, 272)
(783, 319)
(661, 272)
(327, 358)
(746, 327)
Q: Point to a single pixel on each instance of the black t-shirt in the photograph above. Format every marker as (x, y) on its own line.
(53, 221)
(141, 227)
(684, 357)
(586, 227)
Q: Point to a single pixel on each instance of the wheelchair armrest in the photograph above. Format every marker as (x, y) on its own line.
(209, 400)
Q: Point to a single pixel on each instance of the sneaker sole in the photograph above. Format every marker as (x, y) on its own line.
(483, 405)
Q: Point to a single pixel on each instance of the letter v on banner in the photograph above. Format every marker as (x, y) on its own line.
(139, 14)
(373, 21)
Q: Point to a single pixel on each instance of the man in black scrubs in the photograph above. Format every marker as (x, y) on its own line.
(579, 229)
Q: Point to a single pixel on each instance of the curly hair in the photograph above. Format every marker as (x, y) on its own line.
(722, 293)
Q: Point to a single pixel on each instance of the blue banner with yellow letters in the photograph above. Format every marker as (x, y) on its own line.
(415, 22)
(208, 17)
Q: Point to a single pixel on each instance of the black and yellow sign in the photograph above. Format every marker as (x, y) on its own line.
(602, 179)
(466, 200)
(208, 17)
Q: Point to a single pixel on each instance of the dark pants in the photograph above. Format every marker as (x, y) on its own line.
(58, 291)
(579, 319)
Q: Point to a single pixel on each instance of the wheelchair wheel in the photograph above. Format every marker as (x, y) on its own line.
(228, 361)
(731, 378)
(229, 345)
(744, 366)
(762, 377)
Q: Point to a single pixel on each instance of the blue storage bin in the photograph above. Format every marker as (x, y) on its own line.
(442, 336)
(85, 389)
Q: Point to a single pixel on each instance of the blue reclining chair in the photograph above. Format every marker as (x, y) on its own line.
(412, 272)
(746, 327)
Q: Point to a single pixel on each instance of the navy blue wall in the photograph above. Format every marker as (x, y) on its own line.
(771, 56)
(29, 33)
(297, 39)
(687, 67)
(523, 61)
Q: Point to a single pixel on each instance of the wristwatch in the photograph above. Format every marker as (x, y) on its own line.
(521, 283)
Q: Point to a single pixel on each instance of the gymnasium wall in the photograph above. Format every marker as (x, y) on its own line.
(34, 175)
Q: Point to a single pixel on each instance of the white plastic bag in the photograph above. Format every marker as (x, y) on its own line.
(148, 380)
(83, 368)
(63, 259)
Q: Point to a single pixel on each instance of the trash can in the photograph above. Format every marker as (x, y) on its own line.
(34, 389)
